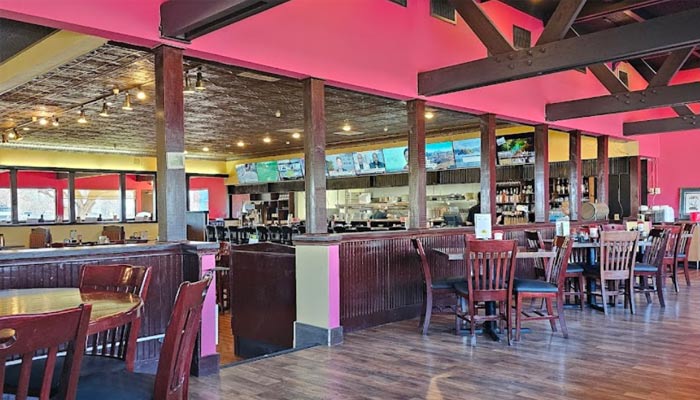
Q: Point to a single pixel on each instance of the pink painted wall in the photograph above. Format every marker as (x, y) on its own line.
(217, 194)
(371, 45)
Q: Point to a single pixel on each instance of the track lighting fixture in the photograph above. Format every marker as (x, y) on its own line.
(347, 127)
(55, 121)
(199, 84)
(4, 138)
(188, 84)
(13, 134)
(105, 110)
(127, 102)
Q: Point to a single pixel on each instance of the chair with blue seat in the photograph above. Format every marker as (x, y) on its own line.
(550, 289)
(650, 268)
(432, 288)
(171, 381)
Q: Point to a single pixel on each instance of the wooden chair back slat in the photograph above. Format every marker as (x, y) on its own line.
(557, 272)
(655, 251)
(21, 336)
(427, 276)
(172, 378)
(490, 268)
(534, 242)
(685, 239)
(674, 232)
(618, 250)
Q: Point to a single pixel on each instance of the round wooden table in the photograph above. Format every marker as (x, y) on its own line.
(109, 309)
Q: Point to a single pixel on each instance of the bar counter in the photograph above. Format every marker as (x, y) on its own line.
(171, 263)
(380, 274)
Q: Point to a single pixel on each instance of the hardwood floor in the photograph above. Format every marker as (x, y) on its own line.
(654, 354)
(225, 346)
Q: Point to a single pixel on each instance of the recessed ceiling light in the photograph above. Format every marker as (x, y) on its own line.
(347, 127)
(43, 121)
(386, 129)
(287, 142)
(296, 135)
(25, 128)
(205, 149)
(240, 144)
(140, 94)
(184, 152)
(429, 115)
(278, 113)
(266, 139)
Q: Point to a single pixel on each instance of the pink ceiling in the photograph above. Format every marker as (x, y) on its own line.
(371, 45)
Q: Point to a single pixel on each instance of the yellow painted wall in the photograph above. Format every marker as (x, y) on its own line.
(18, 235)
(63, 159)
(312, 266)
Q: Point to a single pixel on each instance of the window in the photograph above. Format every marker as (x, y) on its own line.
(39, 195)
(5, 197)
(442, 9)
(199, 200)
(97, 197)
(140, 197)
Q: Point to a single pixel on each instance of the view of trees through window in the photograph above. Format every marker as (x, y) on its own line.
(36, 204)
(199, 200)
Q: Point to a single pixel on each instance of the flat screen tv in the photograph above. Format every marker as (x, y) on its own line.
(467, 153)
(439, 156)
(396, 159)
(340, 165)
(267, 171)
(291, 170)
(247, 173)
(516, 149)
(369, 162)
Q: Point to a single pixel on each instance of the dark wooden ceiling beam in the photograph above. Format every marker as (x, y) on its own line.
(653, 97)
(482, 26)
(608, 78)
(670, 67)
(561, 21)
(643, 68)
(189, 19)
(625, 42)
(599, 9)
(663, 125)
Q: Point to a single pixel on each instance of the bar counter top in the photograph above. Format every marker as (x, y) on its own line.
(102, 250)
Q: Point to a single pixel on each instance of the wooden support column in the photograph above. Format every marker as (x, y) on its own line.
(315, 155)
(13, 196)
(575, 180)
(71, 197)
(416, 161)
(542, 173)
(170, 144)
(122, 195)
(488, 165)
(603, 183)
(635, 185)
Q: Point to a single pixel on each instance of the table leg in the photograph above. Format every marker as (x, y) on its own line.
(491, 327)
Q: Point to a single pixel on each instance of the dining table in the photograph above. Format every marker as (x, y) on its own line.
(454, 254)
(109, 309)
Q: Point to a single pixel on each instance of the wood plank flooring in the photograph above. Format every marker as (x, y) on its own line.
(654, 354)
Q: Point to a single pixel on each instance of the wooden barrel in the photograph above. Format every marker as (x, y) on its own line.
(594, 211)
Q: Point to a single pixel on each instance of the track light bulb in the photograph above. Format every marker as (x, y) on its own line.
(429, 115)
(55, 121)
(347, 127)
(199, 84)
(140, 94)
(240, 144)
(127, 103)
(13, 134)
(43, 121)
(267, 140)
(82, 119)
(105, 110)
(296, 135)
(188, 84)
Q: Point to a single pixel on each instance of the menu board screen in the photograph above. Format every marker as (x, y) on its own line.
(467, 153)
(369, 162)
(396, 159)
(267, 171)
(292, 169)
(516, 149)
(247, 173)
(439, 156)
(340, 165)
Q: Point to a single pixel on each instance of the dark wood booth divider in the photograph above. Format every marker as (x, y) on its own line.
(172, 263)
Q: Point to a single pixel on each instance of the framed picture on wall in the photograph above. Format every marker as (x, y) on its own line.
(690, 202)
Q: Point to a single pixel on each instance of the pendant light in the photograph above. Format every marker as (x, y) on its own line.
(199, 84)
(55, 121)
(82, 119)
(127, 102)
(188, 84)
(105, 110)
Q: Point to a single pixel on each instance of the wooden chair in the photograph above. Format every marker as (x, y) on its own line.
(683, 249)
(433, 288)
(651, 265)
(669, 264)
(171, 382)
(22, 336)
(39, 238)
(115, 348)
(551, 288)
(534, 242)
(114, 233)
(489, 278)
(618, 251)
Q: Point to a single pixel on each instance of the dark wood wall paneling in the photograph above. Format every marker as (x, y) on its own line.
(170, 267)
(381, 278)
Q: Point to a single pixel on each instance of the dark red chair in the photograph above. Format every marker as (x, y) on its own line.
(550, 289)
(489, 278)
(172, 379)
(684, 242)
(116, 348)
(433, 288)
(23, 336)
(651, 265)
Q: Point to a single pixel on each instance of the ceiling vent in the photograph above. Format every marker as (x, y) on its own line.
(442, 9)
(522, 38)
(260, 77)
